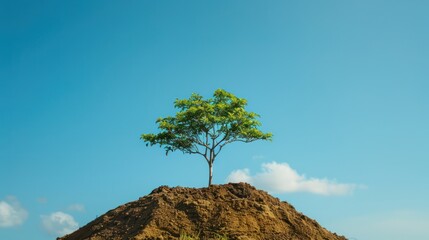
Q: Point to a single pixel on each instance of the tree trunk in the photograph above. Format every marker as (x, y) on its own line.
(211, 160)
(210, 173)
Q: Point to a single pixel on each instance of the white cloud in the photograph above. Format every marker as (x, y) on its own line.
(59, 223)
(11, 213)
(77, 207)
(395, 225)
(281, 178)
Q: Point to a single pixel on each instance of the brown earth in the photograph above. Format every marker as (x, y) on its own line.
(233, 211)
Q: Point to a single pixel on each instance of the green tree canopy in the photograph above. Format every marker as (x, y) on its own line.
(205, 126)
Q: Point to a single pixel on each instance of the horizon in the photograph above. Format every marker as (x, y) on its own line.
(341, 85)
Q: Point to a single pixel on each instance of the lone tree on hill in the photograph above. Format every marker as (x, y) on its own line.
(205, 126)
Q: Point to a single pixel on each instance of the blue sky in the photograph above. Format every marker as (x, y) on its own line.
(342, 85)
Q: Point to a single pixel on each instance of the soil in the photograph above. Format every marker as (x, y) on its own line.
(233, 211)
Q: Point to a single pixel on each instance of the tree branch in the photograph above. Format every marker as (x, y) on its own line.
(223, 139)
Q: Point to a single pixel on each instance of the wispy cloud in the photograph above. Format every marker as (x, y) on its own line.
(281, 178)
(11, 212)
(258, 157)
(59, 223)
(42, 200)
(77, 207)
(395, 225)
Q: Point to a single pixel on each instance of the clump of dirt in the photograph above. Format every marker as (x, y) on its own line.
(234, 211)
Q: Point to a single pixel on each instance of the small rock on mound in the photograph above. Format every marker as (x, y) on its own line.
(235, 210)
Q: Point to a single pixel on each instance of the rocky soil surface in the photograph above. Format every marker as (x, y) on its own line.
(233, 211)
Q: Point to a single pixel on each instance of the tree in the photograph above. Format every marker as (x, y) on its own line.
(205, 126)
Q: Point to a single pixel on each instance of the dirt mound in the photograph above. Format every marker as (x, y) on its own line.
(230, 211)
